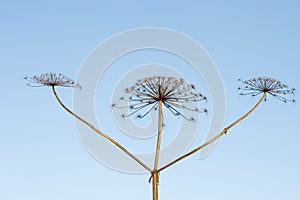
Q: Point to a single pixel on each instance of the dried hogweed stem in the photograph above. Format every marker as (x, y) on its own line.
(154, 93)
(223, 132)
(159, 131)
(53, 80)
(100, 132)
(253, 87)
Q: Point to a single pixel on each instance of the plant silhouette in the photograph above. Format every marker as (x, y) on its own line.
(158, 93)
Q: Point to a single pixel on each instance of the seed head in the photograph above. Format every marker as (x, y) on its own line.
(275, 88)
(51, 79)
(175, 94)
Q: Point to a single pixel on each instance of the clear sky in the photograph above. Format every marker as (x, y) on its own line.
(41, 155)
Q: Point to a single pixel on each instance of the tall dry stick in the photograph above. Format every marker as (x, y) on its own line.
(154, 174)
(159, 132)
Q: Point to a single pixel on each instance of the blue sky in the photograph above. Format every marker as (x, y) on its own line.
(41, 154)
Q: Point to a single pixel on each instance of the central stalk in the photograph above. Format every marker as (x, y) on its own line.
(159, 130)
(154, 173)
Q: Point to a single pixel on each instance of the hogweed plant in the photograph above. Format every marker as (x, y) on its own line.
(175, 95)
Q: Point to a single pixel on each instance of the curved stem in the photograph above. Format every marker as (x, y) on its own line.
(158, 143)
(224, 131)
(100, 132)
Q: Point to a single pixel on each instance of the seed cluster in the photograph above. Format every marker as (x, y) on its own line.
(174, 93)
(275, 88)
(51, 79)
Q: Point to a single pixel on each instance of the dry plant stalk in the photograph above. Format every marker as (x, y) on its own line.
(153, 93)
(156, 93)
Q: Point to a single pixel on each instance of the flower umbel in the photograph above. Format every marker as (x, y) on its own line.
(174, 93)
(256, 86)
(51, 79)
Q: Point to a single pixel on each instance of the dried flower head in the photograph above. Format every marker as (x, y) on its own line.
(175, 94)
(51, 79)
(256, 86)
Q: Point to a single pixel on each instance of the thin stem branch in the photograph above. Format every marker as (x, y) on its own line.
(100, 132)
(158, 143)
(224, 131)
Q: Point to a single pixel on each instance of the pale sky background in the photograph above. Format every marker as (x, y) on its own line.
(41, 155)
